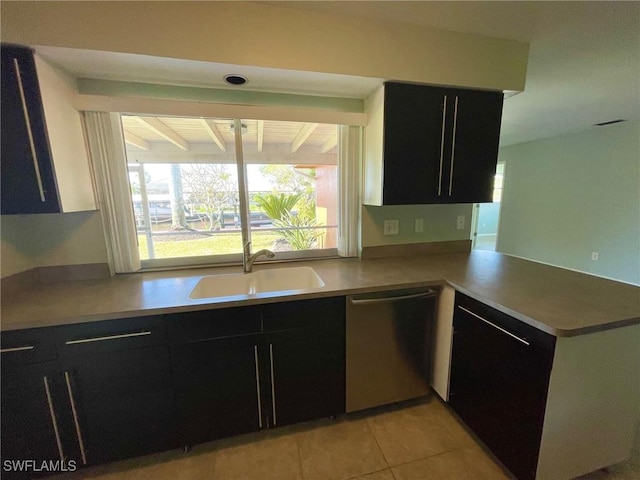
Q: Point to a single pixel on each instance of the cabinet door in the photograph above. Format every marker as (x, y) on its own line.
(32, 413)
(470, 166)
(414, 144)
(122, 402)
(117, 379)
(499, 380)
(306, 359)
(27, 177)
(219, 388)
(307, 375)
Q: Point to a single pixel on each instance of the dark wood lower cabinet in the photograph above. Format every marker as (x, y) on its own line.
(229, 382)
(98, 392)
(308, 374)
(124, 403)
(499, 380)
(217, 385)
(30, 395)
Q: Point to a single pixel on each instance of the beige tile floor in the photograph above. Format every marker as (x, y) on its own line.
(419, 440)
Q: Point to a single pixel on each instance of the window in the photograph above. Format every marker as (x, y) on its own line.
(186, 190)
(498, 182)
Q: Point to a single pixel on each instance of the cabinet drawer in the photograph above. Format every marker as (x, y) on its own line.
(110, 335)
(322, 313)
(27, 346)
(210, 324)
(505, 323)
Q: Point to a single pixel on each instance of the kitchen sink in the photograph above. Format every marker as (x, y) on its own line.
(262, 281)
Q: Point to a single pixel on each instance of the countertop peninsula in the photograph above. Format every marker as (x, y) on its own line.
(555, 300)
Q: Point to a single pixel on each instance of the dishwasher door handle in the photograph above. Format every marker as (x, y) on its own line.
(370, 301)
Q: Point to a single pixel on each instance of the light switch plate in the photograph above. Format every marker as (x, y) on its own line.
(391, 227)
(419, 225)
(460, 222)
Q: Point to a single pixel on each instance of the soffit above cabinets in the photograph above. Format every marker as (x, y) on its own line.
(128, 67)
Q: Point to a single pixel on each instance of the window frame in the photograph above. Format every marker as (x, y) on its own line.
(351, 135)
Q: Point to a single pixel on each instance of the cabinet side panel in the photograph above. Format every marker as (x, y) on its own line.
(373, 169)
(442, 342)
(66, 139)
(592, 406)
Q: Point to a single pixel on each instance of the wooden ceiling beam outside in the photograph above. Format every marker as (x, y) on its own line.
(136, 141)
(214, 133)
(164, 131)
(260, 135)
(330, 143)
(305, 131)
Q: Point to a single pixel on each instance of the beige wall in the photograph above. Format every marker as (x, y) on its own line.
(439, 224)
(250, 33)
(569, 196)
(30, 241)
(246, 33)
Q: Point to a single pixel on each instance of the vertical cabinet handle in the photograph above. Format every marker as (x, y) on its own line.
(273, 389)
(74, 410)
(453, 144)
(27, 121)
(255, 356)
(54, 420)
(444, 116)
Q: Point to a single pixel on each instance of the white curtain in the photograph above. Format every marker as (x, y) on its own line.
(105, 141)
(349, 173)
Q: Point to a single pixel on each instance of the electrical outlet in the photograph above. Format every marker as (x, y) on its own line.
(419, 224)
(460, 222)
(595, 255)
(391, 227)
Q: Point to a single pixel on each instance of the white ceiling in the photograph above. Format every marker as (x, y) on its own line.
(584, 62)
(584, 59)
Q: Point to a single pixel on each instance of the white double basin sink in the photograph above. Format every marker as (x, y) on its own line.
(262, 281)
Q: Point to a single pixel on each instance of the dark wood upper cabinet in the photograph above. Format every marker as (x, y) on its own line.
(28, 180)
(473, 153)
(428, 145)
(44, 163)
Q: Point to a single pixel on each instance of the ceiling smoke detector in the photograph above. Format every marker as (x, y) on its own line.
(234, 79)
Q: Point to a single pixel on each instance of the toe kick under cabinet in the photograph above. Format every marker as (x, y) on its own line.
(549, 408)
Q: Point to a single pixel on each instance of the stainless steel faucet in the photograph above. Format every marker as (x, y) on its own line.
(248, 259)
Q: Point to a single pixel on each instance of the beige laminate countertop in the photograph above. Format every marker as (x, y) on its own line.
(557, 301)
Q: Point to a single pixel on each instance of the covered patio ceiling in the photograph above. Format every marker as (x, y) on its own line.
(178, 139)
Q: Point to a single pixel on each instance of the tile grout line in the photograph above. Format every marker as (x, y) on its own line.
(370, 473)
(378, 445)
(459, 446)
(299, 456)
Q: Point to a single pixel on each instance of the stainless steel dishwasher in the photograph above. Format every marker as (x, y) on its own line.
(388, 347)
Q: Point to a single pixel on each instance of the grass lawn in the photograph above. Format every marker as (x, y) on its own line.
(214, 245)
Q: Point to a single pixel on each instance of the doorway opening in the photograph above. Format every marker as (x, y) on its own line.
(486, 217)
